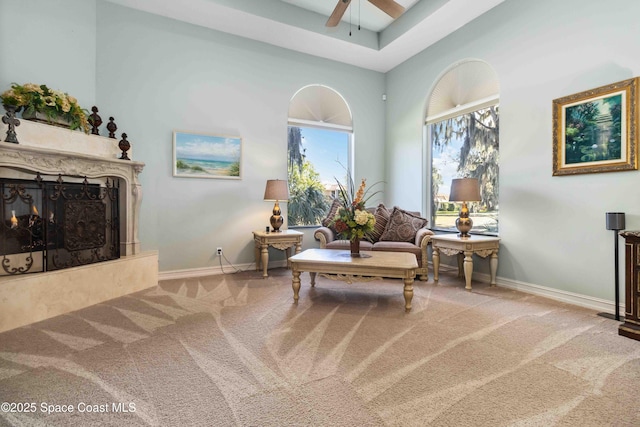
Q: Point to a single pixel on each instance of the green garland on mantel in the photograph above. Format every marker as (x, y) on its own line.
(35, 100)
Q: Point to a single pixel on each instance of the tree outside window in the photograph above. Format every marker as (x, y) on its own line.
(466, 146)
(317, 157)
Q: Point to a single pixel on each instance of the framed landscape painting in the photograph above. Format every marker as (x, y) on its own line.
(198, 155)
(596, 130)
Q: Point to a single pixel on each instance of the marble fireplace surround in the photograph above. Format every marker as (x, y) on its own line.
(50, 150)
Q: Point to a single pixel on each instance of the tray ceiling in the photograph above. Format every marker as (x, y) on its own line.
(299, 25)
(360, 11)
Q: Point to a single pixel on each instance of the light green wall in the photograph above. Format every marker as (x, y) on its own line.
(50, 42)
(552, 228)
(162, 75)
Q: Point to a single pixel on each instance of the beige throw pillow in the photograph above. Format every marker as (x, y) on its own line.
(402, 226)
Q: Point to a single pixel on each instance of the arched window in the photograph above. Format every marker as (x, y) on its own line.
(462, 127)
(319, 150)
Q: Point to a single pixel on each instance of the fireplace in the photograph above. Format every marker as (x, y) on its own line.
(53, 224)
(69, 231)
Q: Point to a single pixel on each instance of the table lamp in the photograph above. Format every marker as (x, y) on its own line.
(464, 190)
(276, 190)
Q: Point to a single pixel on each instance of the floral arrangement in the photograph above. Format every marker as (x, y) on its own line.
(52, 103)
(353, 221)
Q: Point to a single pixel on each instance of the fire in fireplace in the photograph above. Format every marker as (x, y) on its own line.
(50, 225)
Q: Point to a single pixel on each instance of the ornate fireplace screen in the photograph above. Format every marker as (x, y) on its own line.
(50, 225)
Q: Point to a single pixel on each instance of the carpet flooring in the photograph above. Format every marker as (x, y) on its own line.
(234, 350)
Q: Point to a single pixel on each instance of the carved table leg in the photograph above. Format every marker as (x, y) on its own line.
(435, 258)
(313, 279)
(265, 260)
(295, 284)
(460, 258)
(408, 294)
(468, 268)
(256, 254)
(493, 264)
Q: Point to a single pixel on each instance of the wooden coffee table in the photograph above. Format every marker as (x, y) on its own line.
(339, 265)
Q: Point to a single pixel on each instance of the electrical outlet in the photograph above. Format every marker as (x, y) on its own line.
(219, 251)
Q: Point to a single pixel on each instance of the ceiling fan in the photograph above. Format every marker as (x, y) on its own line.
(389, 7)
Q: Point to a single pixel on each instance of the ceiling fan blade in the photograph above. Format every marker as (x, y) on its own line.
(389, 7)
(338, 12)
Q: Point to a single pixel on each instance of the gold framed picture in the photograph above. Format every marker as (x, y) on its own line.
(596, 130)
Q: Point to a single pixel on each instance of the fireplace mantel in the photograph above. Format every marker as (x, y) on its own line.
(52, 150)
(49, 150)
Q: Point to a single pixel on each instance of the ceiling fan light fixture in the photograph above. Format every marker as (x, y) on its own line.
(390, 7)
(338, 13)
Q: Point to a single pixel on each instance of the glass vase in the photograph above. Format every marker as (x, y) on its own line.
(355, 247)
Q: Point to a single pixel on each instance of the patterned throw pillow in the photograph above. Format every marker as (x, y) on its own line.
(326, 222)
(381, 215)
(402, 226)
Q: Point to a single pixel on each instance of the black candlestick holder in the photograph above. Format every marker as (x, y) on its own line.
(111, 127)
(94, 120)
(124, 145)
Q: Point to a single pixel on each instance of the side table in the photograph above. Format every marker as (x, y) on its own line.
(453, 245)
(282, 240)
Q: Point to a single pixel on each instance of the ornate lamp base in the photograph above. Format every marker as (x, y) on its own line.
(464, 224)
(276, 220)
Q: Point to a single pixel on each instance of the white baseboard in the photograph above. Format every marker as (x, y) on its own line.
(598, 304)
(211, 271)
(586, 301)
